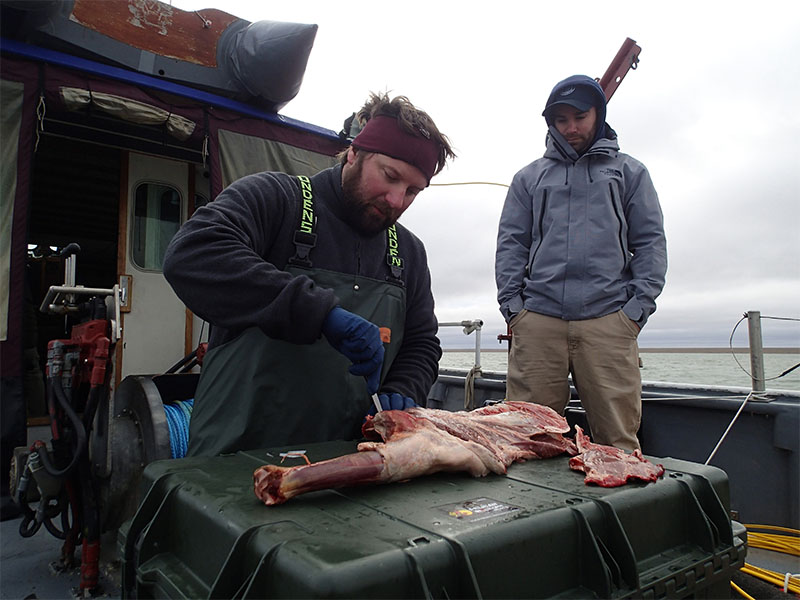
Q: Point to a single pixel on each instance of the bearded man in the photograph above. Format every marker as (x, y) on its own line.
(316, 297)
(581, 258)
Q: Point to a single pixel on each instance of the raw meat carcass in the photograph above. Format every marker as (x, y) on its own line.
(422, 441)
(607, 466)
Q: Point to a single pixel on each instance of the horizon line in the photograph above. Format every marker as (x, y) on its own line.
(668, 349)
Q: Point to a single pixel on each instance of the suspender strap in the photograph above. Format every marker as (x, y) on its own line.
(305, 237)
(393, 258)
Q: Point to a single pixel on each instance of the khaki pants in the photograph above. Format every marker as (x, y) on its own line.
(603, 356)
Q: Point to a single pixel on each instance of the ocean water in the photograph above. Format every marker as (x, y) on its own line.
(709, 368)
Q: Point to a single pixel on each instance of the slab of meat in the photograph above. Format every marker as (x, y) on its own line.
(422, 441)
(607, 466)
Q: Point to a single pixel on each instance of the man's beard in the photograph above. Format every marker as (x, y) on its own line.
(359, 209)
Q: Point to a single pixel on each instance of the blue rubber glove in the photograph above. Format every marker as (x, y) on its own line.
(393, 401)
(359, 340)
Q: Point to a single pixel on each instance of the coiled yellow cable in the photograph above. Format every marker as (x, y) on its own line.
(787, 542)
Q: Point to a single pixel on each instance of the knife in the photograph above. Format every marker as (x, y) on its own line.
(376, 402)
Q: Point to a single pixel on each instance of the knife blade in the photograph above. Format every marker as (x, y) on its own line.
(376, 402)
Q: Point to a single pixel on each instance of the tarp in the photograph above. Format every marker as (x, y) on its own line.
(241, 145)
(18, 104)
(76, 92)
(241, 155)
(10, 114)
(238, 144)
(261, 63)
(129, 110)
(17, 119)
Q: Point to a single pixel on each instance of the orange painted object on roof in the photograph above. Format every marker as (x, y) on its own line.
(157, 27)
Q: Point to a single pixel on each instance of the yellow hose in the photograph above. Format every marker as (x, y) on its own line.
(788, 544)
(787, 541)
(741, 592)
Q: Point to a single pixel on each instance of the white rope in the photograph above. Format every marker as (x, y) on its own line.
(672, 399)
(41, 110)
(469, 387)
(505, 185)
(724, 435)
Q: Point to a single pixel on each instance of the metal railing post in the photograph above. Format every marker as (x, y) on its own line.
(756, 350)
(469, 382)
(478, 345)
(470, 326)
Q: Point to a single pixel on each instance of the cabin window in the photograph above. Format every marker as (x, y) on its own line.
(156, 218)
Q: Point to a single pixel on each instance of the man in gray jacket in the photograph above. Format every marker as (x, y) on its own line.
(581, 258)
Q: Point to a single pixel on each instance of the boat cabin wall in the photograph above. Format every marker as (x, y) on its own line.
(121, 208)
(119, 189)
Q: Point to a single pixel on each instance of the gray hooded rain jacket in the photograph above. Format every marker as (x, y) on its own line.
(581, 237)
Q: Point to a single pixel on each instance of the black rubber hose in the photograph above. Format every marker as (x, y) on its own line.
(55, 531)
(182, 362)
(190, 366)
(28, 525)
(71, 248)
(58, 390)
(91, 406)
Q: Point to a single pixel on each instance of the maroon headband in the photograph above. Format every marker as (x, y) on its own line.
(383, 135)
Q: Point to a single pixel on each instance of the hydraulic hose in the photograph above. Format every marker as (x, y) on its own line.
(29, 525)
(189, 358)
(45, 512)
(92, 403)
(58, 390)
(63, 510)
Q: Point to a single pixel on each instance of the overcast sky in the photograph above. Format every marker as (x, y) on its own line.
(713, 111)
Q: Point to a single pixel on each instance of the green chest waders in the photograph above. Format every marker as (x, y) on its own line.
(257, 392)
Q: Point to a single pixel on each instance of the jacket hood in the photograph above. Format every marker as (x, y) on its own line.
(580, 91)
(558, 148)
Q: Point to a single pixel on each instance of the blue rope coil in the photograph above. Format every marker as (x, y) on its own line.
(178, 416)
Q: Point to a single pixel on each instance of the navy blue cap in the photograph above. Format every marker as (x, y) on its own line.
(579, 97)
(579, 91)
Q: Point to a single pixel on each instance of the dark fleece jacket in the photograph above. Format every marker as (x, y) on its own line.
(226, 264)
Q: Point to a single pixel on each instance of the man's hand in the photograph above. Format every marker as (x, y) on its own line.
(359, 340)
(393, 401)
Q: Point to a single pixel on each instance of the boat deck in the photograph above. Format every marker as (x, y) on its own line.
(27, 566)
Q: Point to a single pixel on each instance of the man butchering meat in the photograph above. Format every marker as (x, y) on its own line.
(316, 297)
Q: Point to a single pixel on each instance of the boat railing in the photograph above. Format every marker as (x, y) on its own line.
(756, 350)
(758, 392)
(469, 327)
(475, 326)
(756, 345)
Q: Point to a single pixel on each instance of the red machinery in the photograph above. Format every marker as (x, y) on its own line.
(62, 477)
(85, 480)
